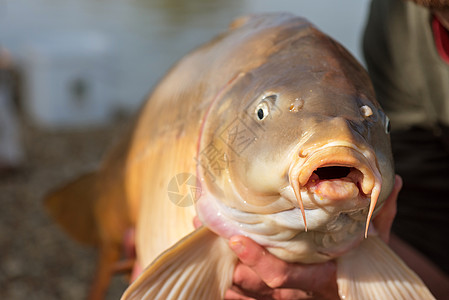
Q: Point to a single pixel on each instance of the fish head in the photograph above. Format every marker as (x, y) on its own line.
(302, 131)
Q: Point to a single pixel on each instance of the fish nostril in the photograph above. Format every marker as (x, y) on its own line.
(332, 172)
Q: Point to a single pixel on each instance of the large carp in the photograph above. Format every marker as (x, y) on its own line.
(275, 130)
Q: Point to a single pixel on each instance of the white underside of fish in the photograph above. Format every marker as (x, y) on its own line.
(283, 233)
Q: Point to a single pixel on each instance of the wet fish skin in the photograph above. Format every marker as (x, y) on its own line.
(332, 87)
(271, 104)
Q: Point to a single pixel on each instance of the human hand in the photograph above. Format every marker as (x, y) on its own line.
(261, 275)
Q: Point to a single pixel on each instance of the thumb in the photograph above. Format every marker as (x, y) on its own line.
(384, 219)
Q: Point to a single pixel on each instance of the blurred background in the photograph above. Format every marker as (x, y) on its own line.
(72, 75)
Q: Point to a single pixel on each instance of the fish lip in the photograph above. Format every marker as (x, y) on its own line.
(341, 154)
(338, 153)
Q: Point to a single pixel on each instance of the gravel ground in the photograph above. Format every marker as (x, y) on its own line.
(37, 260)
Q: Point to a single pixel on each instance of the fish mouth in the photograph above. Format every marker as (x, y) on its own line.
(338, 172)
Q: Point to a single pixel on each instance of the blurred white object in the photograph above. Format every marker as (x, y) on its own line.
(11, 152)
(69, 80)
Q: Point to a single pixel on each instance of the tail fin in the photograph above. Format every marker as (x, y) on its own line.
(374, 271)
(72, 206)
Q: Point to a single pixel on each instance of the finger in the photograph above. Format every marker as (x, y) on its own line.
(267, 267)
(278, 274)
(247, 279)
(137, 270)
(196, 222)
(235, 295)
(248, 283)
(384, 219)
(290, 294)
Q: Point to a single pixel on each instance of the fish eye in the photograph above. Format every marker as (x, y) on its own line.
(262, 111)
(387, 125)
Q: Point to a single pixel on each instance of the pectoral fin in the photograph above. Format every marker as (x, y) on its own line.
(374, 271)
(200, 266)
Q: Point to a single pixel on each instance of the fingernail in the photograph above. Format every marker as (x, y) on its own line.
(236, 245)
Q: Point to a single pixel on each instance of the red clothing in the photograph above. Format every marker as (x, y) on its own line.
(441, 36)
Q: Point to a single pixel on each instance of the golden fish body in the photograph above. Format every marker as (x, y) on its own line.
(280, 126)
(314, 94)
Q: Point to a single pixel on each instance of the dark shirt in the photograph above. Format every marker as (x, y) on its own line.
(406, 55)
